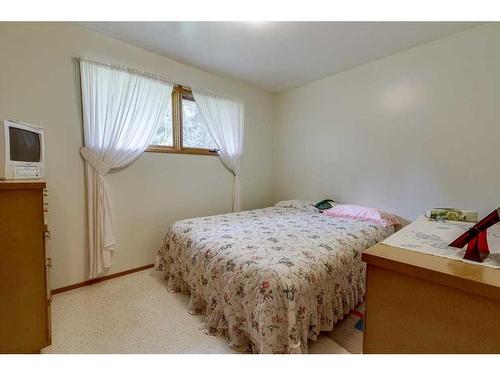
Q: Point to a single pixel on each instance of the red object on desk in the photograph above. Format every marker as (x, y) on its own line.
(477, 238)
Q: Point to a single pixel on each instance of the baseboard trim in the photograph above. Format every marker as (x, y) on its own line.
(99, 279)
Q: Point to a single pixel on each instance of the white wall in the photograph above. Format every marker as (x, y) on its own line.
(39, 84)
(411, 131)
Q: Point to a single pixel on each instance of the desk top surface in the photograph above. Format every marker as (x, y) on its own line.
(22, 184)
(468, 277)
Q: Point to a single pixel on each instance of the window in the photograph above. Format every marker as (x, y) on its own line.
(183, 131)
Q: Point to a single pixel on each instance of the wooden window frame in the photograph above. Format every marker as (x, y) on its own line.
(178, 93)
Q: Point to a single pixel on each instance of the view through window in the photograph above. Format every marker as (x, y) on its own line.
(183, 129)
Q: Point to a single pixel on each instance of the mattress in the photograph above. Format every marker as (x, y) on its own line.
(269, 279)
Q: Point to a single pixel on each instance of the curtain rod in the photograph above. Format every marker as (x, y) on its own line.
(151, 76)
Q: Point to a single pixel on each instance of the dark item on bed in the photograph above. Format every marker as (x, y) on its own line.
(477, 238)
(324, 204)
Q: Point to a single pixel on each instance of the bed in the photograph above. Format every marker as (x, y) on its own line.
(269, 279)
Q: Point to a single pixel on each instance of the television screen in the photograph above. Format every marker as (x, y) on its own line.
(24, 145)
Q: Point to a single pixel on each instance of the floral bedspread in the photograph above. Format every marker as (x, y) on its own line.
(272, 278)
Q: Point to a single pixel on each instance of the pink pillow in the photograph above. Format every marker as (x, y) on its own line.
(351, 211)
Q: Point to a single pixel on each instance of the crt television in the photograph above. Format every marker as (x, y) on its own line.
(21, 151)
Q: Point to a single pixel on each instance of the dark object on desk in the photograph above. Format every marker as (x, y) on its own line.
(324, 204)
(477, 238)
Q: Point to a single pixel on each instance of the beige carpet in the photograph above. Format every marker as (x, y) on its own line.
(136, 314)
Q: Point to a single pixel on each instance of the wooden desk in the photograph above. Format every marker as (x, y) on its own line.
(420, 303)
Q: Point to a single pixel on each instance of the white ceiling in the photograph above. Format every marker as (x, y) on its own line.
(277, 56)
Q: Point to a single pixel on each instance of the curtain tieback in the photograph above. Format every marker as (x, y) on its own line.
(97, 164)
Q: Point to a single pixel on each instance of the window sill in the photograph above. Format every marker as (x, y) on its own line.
(184, 150)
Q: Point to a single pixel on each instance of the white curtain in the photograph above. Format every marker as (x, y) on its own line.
(121, 112)
(225, 121)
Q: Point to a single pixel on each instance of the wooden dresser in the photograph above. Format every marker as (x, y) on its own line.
(24, 292)
(420, 303)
